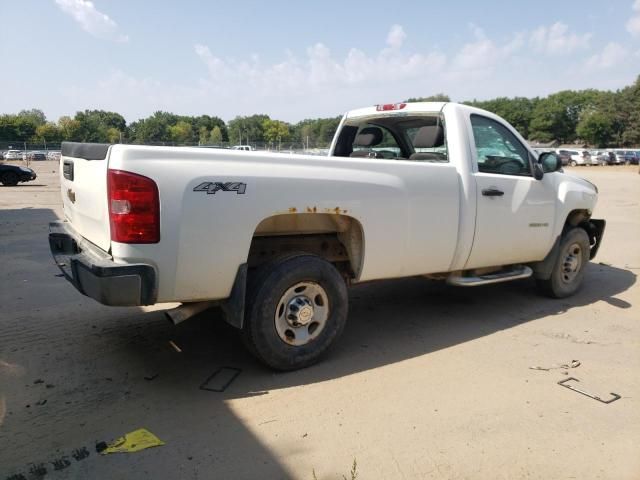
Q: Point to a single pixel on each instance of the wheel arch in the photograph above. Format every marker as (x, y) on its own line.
(334, 236)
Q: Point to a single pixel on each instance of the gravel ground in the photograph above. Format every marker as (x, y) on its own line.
(428, 381)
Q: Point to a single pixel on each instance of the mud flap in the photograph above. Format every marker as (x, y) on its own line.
(233, 307)
(595, 231)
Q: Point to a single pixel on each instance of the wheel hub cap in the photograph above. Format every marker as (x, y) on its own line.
(301, 313)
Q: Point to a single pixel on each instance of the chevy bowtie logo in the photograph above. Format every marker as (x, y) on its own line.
(72, 195)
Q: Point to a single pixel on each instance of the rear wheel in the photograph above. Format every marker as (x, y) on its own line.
(10, 179)
(296, 308)
(573, 163)
(568, 271)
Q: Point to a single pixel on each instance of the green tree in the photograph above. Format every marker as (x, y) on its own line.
(153, 129)
(216, 136)
(49, 132)
(181, 132)
(203, 136)
(249, 129)
(34, 116)
(69, 128)
(628, 110)
(438, 97)
(94, 125)
(596, 128)
(113, 135)
(275, 131)
(17, 127)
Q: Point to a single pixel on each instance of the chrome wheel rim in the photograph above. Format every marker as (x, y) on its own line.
(301, 313)
(572, 263)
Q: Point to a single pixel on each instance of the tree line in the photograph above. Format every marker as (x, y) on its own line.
(164, 128)
(594, 117)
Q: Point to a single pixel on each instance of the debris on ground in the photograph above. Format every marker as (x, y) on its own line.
(566, 366)
(220, 379)
(563, 383)
(151, 377)
(135, 441)
(175, 347)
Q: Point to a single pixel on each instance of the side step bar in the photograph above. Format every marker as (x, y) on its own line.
(515, 273)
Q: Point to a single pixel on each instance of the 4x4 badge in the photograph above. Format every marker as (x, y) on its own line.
(213, 187)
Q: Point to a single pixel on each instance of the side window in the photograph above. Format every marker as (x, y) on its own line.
(499, 151)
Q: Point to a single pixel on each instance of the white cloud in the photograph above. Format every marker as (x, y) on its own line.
(556, 40)
(396, 36)
(317, 81)
(633, 25)
(320, 69)
(482, 55)
(610, 56)
(92, 20)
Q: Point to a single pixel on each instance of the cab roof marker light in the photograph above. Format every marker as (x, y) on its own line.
(390, 106)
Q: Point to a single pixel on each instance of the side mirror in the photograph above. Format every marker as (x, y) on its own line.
(538, 171)
(549, 162)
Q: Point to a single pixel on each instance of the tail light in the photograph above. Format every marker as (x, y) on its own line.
(134, 208)
(390, 106)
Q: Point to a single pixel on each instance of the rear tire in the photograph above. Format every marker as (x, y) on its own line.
(296, 308)
(568, 271)
(573, 163)
(10, 179)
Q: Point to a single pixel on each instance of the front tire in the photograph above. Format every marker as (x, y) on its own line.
(568, 271)
(573, 163)
(296, 308)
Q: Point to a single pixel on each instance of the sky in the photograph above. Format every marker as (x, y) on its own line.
(294, 59)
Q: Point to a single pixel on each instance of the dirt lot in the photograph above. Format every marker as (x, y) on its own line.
(428, 381)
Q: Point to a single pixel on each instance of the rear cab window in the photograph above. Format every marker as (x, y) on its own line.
(419, 137)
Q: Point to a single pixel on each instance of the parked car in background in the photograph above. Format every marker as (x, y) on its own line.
(600, 157)
(626, 157)
(564, 156)
(579, 157)
(53, 155)
(631, 157)
(38, 156)
(13, 155)
(11, 175)
(244, 148)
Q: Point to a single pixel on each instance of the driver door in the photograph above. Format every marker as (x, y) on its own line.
(514, 211)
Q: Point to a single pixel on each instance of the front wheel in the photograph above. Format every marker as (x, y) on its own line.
(296, 308)
(573, 163)
(568, 271)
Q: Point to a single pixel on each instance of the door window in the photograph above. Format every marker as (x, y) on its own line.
(498, 150)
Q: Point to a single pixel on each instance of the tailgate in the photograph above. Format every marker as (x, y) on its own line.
(83, 181)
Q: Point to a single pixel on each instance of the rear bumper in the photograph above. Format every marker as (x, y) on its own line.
(94, 273)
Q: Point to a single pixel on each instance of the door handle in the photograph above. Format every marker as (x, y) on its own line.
(492, 192)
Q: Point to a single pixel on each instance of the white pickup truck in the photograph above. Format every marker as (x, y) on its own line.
(434, 189)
